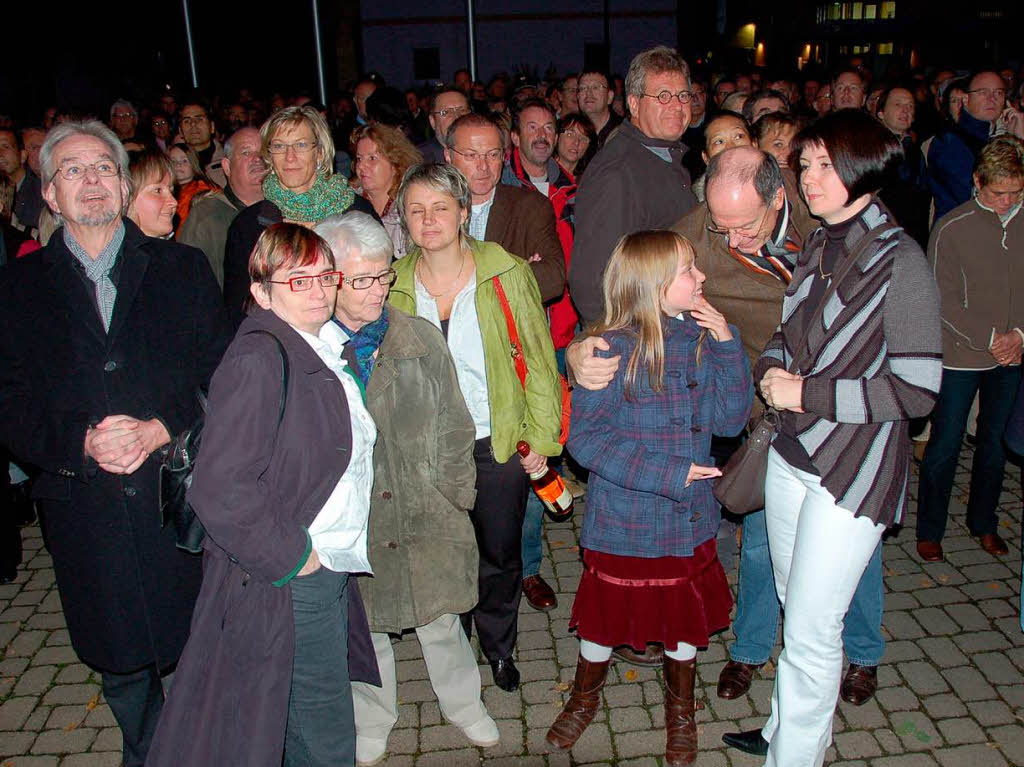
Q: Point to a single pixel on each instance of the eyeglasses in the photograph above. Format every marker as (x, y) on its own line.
(300, 284)
(385, 279)
(76, 170)
(740, 231)
(159, 123)
(665, 97)
(493, 155)
(301, 147)
(123, 115)
(988, 93)
(456, 111)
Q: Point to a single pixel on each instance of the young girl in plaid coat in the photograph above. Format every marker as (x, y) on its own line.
(651, 565)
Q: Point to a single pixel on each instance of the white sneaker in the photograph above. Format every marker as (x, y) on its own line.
(370, 751)
(483, 734)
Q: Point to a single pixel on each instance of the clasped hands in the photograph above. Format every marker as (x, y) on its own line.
(783, 390)
(120, 444)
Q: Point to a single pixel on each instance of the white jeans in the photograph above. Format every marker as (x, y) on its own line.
(819, 552)
(453, 673)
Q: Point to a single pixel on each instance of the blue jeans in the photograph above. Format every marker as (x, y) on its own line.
(533, 524)
(321, 729)
(997, 391)
(756, 623)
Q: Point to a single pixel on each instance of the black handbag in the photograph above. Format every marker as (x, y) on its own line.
(740, 489)
(180, 460)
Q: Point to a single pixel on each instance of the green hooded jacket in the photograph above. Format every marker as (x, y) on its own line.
(534, 415)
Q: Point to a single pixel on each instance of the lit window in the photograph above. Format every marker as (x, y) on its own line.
(833, 11)
(889, 10)
(846, 11)
(869, 10)
(858, 10)
(885, 49)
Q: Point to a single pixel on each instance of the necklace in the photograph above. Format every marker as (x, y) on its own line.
(821, 255)
(419, 273)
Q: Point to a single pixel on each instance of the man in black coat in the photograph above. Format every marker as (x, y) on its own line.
(108, 334)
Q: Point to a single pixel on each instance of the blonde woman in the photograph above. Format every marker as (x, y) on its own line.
(651, 564)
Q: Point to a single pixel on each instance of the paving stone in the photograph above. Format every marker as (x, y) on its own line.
(33, 761)
(996, 667)
(976, 756)
(466, 757)
(629, 719)
(105, 759)
(981, 641)
(14, 712)
(890, 742)
(1011, 741)
(852, 745)
(961, 730)
(916, 730)
(935, 621)
(35, 681)
(941, 706)
(897, 699)
(70, 693)
(942, 651)
(904, 760)
(75, 674)
(37, 719)
(430, 714)
(594, 745)
(25, 643)
(922, 677)
(623, 695)
(649, 742)
(968, 683)
(108, 739)
(64, 741)
(968, 616)
(901, 651)
(60, 656)
(942, 595)
(989, 713)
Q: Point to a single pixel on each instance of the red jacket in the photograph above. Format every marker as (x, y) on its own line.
(562, 194)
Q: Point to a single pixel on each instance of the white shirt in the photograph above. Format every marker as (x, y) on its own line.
(339, 530)
(466, 344)
(478, 219)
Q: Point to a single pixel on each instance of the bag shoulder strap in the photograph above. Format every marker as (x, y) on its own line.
(799, 358)
(513, 334)
(284, 371)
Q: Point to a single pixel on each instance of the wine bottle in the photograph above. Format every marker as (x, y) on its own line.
(550, 488)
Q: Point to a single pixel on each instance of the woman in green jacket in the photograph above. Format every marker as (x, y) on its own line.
(453, 281)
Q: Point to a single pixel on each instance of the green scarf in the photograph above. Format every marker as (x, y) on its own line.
(328, 195)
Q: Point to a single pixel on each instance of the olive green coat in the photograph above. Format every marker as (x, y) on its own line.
(421, 543)
(533, 414)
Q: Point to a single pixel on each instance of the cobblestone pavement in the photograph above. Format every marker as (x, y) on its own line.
(951, 689)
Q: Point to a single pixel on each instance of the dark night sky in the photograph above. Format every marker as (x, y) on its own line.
(74, 54)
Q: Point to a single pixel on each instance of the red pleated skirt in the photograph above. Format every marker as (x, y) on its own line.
(633, 600)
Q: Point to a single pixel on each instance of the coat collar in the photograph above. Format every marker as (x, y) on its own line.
(300, 353)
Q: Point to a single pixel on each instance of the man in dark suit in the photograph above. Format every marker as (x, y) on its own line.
(109, 333)
(521, 220)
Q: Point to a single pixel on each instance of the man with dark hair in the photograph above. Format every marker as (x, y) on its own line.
(762, 102)
(849, 89)
(724, 88)
(28, 198)
(363, 90)
(570, 94)
(198, 131)
(445, 107)
(531, 166)
(952, 153)
(637, 181)
(463, 81)
(595, 96)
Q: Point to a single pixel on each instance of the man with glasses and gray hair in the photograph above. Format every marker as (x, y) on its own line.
(421, 542)
(109, 333)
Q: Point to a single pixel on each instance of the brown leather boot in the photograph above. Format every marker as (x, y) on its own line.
(581, 707)
(680, 727)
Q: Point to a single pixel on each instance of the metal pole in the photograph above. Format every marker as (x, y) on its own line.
(319, 55)
(191, 47)
(471, 29)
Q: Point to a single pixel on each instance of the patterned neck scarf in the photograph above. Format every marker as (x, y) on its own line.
(328, 195)
(98, 270)
(365, 342)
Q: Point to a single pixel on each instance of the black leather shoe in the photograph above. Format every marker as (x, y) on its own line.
(748, 741)
(506, 675)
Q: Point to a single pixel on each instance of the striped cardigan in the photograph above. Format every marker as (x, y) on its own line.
(875, 362)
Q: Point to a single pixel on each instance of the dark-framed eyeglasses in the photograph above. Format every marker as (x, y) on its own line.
(665, 97)
(988, 93)
(365, 282)
(74, 171)
(456, 111)
(739, 231)
(302, 284)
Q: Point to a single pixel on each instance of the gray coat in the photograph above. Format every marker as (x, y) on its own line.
(422, 545)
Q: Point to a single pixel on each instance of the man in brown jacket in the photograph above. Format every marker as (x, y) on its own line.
(746, 237)
(521, 220)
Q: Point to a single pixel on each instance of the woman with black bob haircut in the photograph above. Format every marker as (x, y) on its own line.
(857, 355)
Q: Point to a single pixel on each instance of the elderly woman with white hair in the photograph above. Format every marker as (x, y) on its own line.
(421, 542)
(301, 188)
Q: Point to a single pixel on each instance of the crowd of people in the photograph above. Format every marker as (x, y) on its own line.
(375, 304)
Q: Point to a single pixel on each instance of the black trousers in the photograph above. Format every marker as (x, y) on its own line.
(497, 518)
(136, 700)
